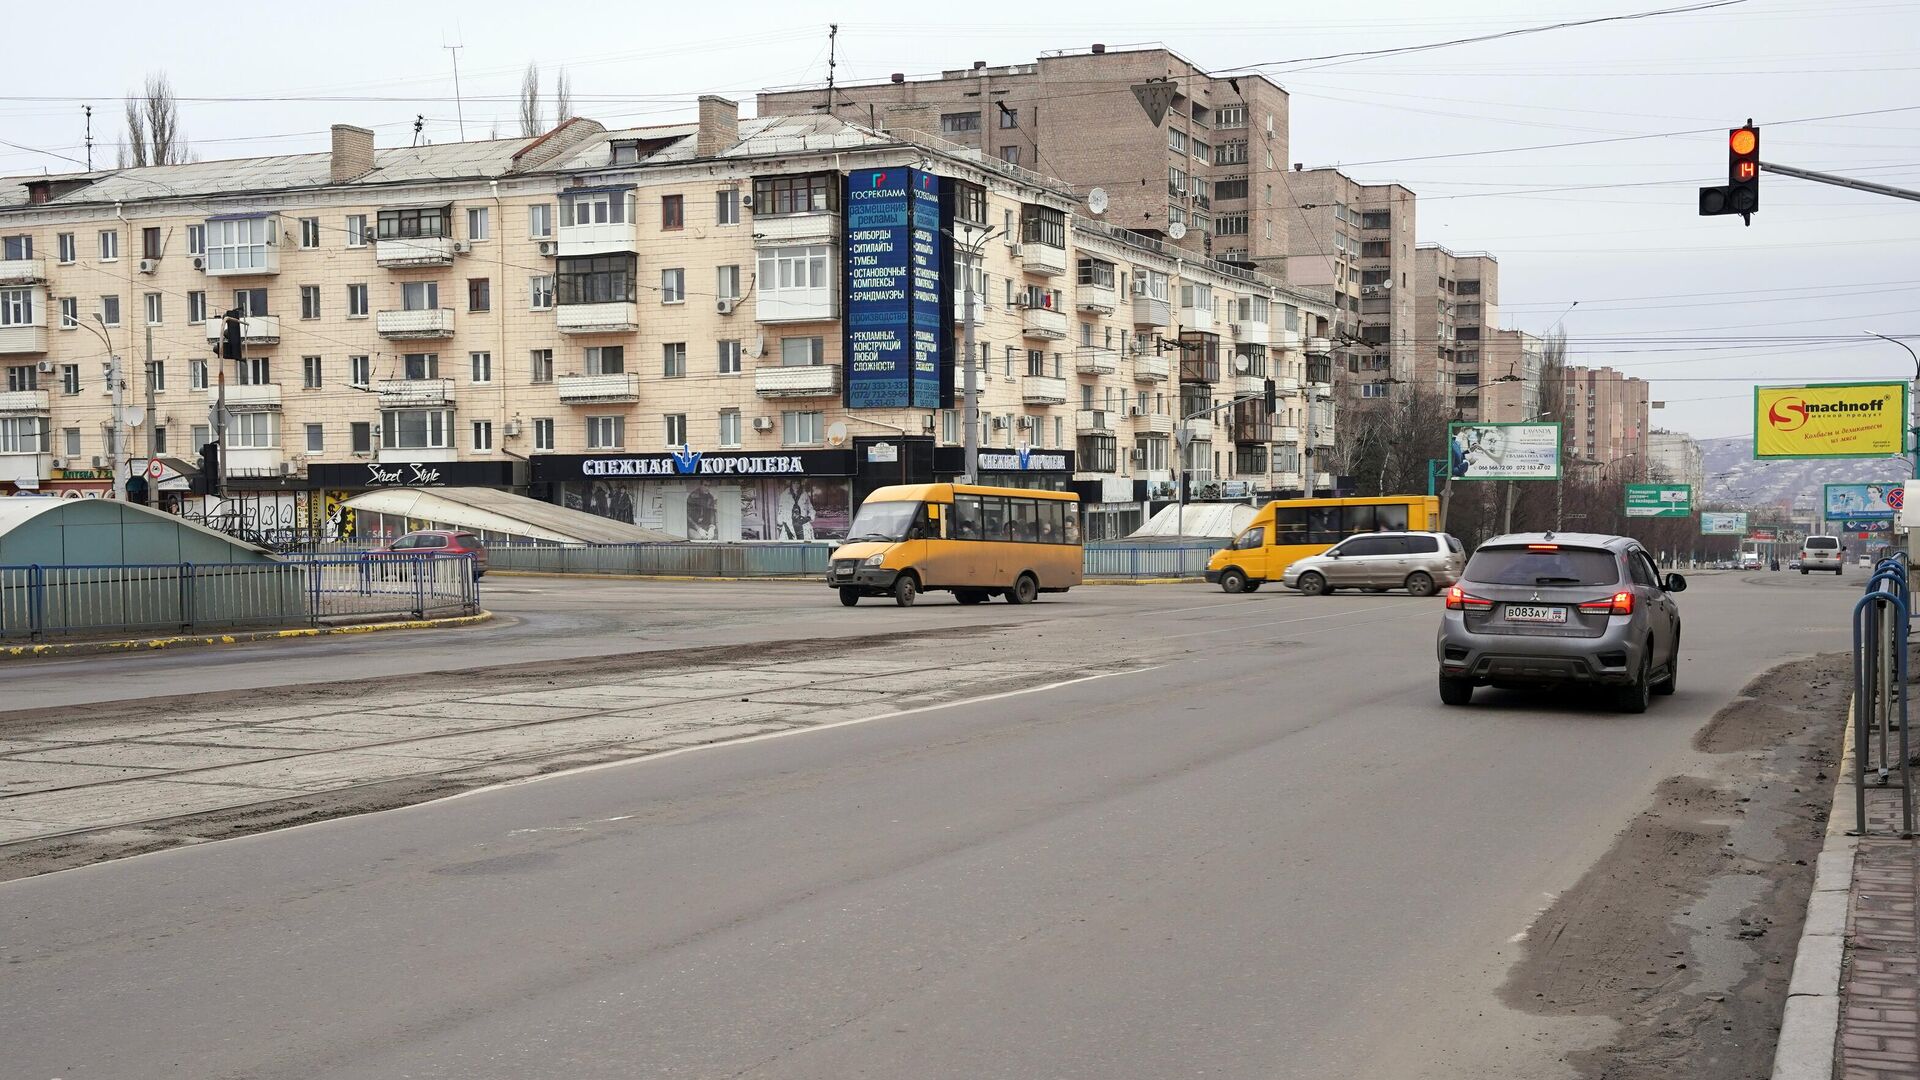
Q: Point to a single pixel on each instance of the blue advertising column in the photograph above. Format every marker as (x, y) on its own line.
(931, 330)
(896, 270)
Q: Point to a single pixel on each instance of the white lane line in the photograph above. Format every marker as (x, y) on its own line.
(1241, 628)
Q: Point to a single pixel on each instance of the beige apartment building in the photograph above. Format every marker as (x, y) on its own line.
(1676, 458)
(1508, 380)
(1356, 242)
(1607, 421)
(1212, 169)
(648, 324)
(1456, 305)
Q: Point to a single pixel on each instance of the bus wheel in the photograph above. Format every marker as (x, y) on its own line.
(905, 590)
(970, 596)
(1024, 590)
(849, 595)
(1233, 581)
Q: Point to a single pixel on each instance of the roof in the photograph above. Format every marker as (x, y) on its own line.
(505, 512)
(18, 510)
(1572, 538)
(1209, 520)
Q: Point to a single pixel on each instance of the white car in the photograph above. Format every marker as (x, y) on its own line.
(1750, 561)
(1821, 553)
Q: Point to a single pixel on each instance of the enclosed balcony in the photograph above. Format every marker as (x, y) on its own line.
(1286, 433)
(23, 271)
(1250, 423)
(253, 396)
(1200, 428)
(1043, 390)
(1289, 481)
(1249, 332)
(414, 251)
(615, 318)
(1319, 346)
(593, 389)
(1152, 369)
(253, 461)
(1097, 299)
(1153, 423)
(1045, 323)
(254, 329)
(1093, 421)
(1094, 360)
(1199, 357)
(22, 340)
(23, 402)
(1152, 311)
(797, 381)
(414, 393)
(597, 221)
(414, 325)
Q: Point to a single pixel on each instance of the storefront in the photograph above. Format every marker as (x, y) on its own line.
(321, 509)
(731, 496)
(1051, 470)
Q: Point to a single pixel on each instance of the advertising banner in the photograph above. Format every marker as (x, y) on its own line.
(1830, 420)
(1865, 525)
(1659, 500)
(1504, 451)
(895, 284)
(931, 328)
(1861, 500)
(1713, 523)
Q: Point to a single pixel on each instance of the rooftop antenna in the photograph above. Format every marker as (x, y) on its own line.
(833, 39)
(88, 109)
(419, 122)
(459, 107)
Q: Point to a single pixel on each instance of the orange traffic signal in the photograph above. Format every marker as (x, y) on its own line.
(1743, 141)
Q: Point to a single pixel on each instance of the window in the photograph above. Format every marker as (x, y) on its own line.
(157, 375)
(1230, 153)
(802, 351)
(730, 356)
(673, 359)
(606, 359)
(419, 295)
(309, 301)
(1176, 140)
(310, 373)
(540, 292)
(196, 374)
(316, 438)
(357, 301)
(1231, 225)
(1043, 225)
(70, 252)
(730, 427)
(794, 268)
(16, 247)
(420, 366)
(70, 379)
(417, 429)
(72, 438)
(110, 310)
(479, 227)
(480, 366)
(540, 366)
(1230, 189)
(1096, 272)
(16, 307)
(673, 211)
(109, 245)
(69, 313)
(22, 435)
(1098, 453)
(540, 221)
(595, 208)
(606, 432)
(795, 194)
(250, 302)
(420, 222)
(543, 433)
(802, 428)
(360, 370)
(596, 279)
(726, 282)
(309, 232)
(726, 206)
(969, 201)
(22, 377)
(1010, 155)
(483, 434)
(356, 230)
(673, 286)
(479, 294)
(959, 123)
(150, 243)
(1202, 152)
(676, 428)
(239, 244)
(254, 370)
(362, 437)
(254, 430)
(1230, 116)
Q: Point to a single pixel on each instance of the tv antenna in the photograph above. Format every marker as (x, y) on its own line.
(459, 107)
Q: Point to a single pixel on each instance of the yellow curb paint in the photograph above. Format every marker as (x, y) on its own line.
(82, 648)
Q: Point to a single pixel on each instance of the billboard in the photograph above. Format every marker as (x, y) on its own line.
(1659, 500)
(1503, 451)
(1829, 420)
(1723, 524)
(1861, 500)
(895, 261)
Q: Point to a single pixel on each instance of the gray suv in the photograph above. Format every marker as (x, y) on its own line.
(1537, 609)
(1422, 563)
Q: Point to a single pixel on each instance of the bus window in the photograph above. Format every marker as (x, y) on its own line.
(966, 517)
(1358, 519)
(993, 517)
(1323, 525)
(1391, 518)
(1073, 522)
(1053, 522)
(1290, 525)
(1026, 520)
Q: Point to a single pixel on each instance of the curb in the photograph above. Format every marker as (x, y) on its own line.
(1810, 1025)
(810, 579)
(183, 641)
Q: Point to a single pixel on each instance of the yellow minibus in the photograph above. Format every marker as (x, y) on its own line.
(977, 542)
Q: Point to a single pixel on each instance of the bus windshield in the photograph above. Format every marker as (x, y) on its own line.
(883, 521)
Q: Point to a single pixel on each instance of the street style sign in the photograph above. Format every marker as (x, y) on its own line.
(1729, 523)
(1659, 500)
(1504, 451)
(1829, 420)
(1862, 500)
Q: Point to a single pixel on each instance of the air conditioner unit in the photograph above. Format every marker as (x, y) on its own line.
(1139, 457)
(926, 422)
(462, 247)
(1136, 410)
(746, 200)
(148, 266)
(999, 423)
(725, 305)
(45, 367)
(549, 248)
(763, 423)
(513, 429)
(1029, 422)
(286, 468)
(1139, 288)
(59, 463)
(1024, 302)
(1015, 249)
(368, 236)
(199, 262)
(99, 462)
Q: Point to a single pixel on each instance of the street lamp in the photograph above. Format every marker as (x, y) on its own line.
(117, 388)
(1916, 402)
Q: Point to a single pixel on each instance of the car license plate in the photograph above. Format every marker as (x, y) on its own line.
(1535, 614)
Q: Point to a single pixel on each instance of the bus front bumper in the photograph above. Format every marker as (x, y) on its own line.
(876, 578)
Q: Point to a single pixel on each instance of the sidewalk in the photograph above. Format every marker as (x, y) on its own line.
(1879, 1035)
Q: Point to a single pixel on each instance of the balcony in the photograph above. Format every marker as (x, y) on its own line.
(1321, 438)
(23, 271)
(798, 381)
(808, 228)
(414, 393)
(1289, 481)
(1249, 386)
(797, 305)
(1199, 358)
(1250, 424)
(415, 251)
(596, 318)
(254, 397)
(1046, 323)
(1152, 369)
(1152, 311)
(1286, 385)
(1283, 339)
(17, 467)
(252, 461)
(1043, 259)
(1196, 318)
(1253, 333)
(1201, 428)
(1043, 390)
(417, 325)
(23, 402)
(1093, 421)
(960, 307)
(1152, 423)
(1098, 299)
(1319, 346)
(592, 389)
(1287, 434)
(22, 340)
(603, 238)
(254, 329)
(1094, 360)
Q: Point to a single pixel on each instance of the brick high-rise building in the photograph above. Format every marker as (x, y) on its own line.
(1356, 242)
(1456, 304)
(1508, 355)
(1606, 421)
(1213, 164)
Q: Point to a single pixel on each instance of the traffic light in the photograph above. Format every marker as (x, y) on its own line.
(137, 490)
(1273, 398)
(1741, 194)
(231, 345)
(208, 481)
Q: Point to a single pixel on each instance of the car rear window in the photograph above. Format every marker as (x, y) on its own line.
(429, 541)
(1815, 542)
(1522, 565)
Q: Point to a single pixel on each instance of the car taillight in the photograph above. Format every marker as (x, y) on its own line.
(1459, 600)
(1620, 603)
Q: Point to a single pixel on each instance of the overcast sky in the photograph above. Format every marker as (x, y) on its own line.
(1818, 261)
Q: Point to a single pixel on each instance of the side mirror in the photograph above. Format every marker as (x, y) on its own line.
(1676, 583)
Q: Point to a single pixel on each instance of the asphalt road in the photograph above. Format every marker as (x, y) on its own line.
(1268, 852)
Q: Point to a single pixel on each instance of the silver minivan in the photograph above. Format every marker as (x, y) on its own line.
(1822, 553)
(1422, 563)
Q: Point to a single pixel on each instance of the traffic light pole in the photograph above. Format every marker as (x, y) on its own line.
(1841, 181)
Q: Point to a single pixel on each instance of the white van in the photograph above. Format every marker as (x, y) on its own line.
(1821, 553)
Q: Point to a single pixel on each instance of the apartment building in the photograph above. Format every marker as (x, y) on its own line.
(1456, 304)
(1211, 169)
(681, 326)
(1606, 421)
(1356, 242)
(1507, 379)
(1675, 457)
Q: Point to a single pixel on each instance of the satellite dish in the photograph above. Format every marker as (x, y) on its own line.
(837, 434)
(135, 416)
(1097, 201)
(1177, 230)
(1242, 364)
(759, 346)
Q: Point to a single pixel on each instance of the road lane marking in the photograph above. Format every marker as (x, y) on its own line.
(1240, 628)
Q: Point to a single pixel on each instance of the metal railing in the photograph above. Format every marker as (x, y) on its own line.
(38, 602)
(1882, 621)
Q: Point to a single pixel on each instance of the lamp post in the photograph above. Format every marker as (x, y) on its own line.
(116, 386)
(1916, 397)
(975, 250)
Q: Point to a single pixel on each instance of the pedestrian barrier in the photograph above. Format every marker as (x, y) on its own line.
(38, 602)
(1882, 623)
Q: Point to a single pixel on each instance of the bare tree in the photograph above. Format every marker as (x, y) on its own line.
(530, 101)
(133, 149)
(562, 98)
(154, 136)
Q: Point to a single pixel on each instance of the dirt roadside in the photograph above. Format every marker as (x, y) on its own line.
(1684, 933)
